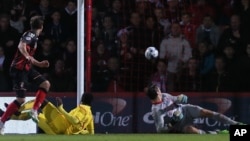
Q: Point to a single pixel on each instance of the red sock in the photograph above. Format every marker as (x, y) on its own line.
(40, 96)
(11, 109)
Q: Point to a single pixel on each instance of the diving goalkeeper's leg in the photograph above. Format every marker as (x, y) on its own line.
(218, 116)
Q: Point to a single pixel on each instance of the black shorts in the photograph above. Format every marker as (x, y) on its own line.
(21, 78)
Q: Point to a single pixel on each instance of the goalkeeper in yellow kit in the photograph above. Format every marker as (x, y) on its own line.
(55, 120)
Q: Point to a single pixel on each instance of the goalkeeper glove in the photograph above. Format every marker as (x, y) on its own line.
(182, 98)
(177, 116)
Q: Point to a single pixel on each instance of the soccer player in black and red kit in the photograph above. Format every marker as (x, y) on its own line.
(21, 70)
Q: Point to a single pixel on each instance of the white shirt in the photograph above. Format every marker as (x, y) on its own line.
(176, 50)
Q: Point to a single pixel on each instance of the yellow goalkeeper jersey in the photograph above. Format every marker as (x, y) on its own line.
(80, 118)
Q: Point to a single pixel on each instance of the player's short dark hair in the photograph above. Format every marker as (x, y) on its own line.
(87, 98)
(36, 22)
(151, 91)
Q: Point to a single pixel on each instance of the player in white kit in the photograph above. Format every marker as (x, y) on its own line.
(171, 114)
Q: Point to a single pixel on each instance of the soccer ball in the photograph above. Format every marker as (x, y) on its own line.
(151, 53)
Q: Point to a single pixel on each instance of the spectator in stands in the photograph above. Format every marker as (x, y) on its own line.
(244, 12)
(244, 67)
(219, 79)
(96, 24)
(137, 31)
(140, 68)
(160, 76)
(199, 9)
(16, 20)
(173, 11)
(61, 79)
(143, 8)
(188, 29)
(208, 32)
(9, 39)
(110, 79)
(233, 35)
(69, 18)
(232, 66)
(189, 78)
(176, 50)
(46, 52)
(206, 58)
(153, 35)
(163, 23)
(104, 7)
(56, 30)
(126, 52)
(58, 4)
(4, 86)
(44, 9)
(108, 34)
(70, 57)
(117, 14)
(100, 56)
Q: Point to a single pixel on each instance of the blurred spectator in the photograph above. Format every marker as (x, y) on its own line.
(100, 56)
(160, 76)
(139, 68)
(117, 14)
(9, 39)
(16, 18)
(70, 57)
(46, 52)
(61, 80)
(163, 23)
(233, 35)
(6, 5)
(143, 8)
(104, 6)
(44, 9)
(96, 24)
(224, 10)
(188, 29)
(176, 50)
(173, 11)
(189, 78)
(206, 58)
(56, 30)
(232, 66)
(125, 50)
(244, 12)
(4, 85)
(69, 18)
(108, 34)
(58, 4)
(199, 9)
(110, 79)
(136, 30)
(219, 79)
(208, 32)
(153, 35)
(244, 67)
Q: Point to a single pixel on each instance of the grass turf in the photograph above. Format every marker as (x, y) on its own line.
(116, 137)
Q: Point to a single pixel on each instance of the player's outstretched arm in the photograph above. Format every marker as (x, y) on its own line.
(71, 119)
(182, 98)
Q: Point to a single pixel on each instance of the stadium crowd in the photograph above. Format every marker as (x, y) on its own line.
(203, 45)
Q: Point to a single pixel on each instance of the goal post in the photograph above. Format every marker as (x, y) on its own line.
(82, 48)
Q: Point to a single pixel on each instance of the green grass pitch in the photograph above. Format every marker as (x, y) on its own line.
(116, 137)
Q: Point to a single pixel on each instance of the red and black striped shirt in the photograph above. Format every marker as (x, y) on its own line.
(20, 62)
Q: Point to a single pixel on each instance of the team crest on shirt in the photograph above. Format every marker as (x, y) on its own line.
(28, 38)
